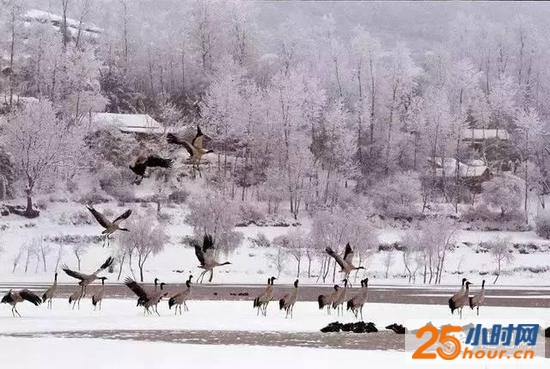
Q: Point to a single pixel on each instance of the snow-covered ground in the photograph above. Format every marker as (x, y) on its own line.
(107, 354)
(249, 264)
(119, 314)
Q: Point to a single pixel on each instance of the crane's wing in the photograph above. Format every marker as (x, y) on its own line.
(207, 243)
(336, 257)
(199, 253)
(99, 217)
(123, 216)
(105, 265)
(136, 288)
(348, 254)
(72, 273)
(31, 297)
(157, 161)
(173, 139)
(198, 140)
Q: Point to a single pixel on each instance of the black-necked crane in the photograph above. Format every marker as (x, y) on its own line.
(346, 263)
(76, 296)
(141, 300)
(207, 257)
(328, 300)
(149, 298)
(142, 162)
(195, 148)
(110, 226)
(288, 301)
(459, 299)
(478, 300)
(340, 298)
(180, 298)
(15, 297)
(86, 279)
(97, 298)
(50, 292)
(356, 303)
(265, 297)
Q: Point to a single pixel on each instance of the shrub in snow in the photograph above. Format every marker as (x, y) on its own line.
(504, 193)
(81, 217)
(397, 195)
(95, 196)
(250, 213)
(542, 223)
(110, 146)
(260, 240)
(178, 196)
(116, 182)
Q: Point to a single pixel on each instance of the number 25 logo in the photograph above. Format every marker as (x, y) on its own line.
(451, 345)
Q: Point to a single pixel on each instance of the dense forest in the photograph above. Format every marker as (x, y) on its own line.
(309, 108)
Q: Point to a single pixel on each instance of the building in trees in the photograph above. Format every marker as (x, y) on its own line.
(126, 123)
(478, 137)
(470, 175)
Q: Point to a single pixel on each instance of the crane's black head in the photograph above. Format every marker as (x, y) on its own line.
(296, 283)
(464, 281)
(188, 283)
(162, 285)
(345, 280)
(468, 284)
(156, 281)
(483, 283)
(336, 287)
(366, 282)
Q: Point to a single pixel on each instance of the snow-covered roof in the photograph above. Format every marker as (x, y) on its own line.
(72, 24)
(128, 123)
(448, 169)
(479, 134)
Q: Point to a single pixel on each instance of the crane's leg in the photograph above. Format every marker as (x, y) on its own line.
(185, 306)
(211, 275)
(100, 304)
(478, 311)
(15, 309)
(361, 310)
(201, 276)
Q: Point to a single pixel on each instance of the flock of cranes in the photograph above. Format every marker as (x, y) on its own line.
(206, 255)
(150, 298)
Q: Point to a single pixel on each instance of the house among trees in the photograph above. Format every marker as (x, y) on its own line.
(476, 137)
(141, 124)
(471, 175)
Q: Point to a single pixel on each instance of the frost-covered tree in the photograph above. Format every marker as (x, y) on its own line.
(212, 213)
(42, 146)
(145, 239)
(397, 195)
(79, 250)
(294, 243)
(501, 255)
(504, 193)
